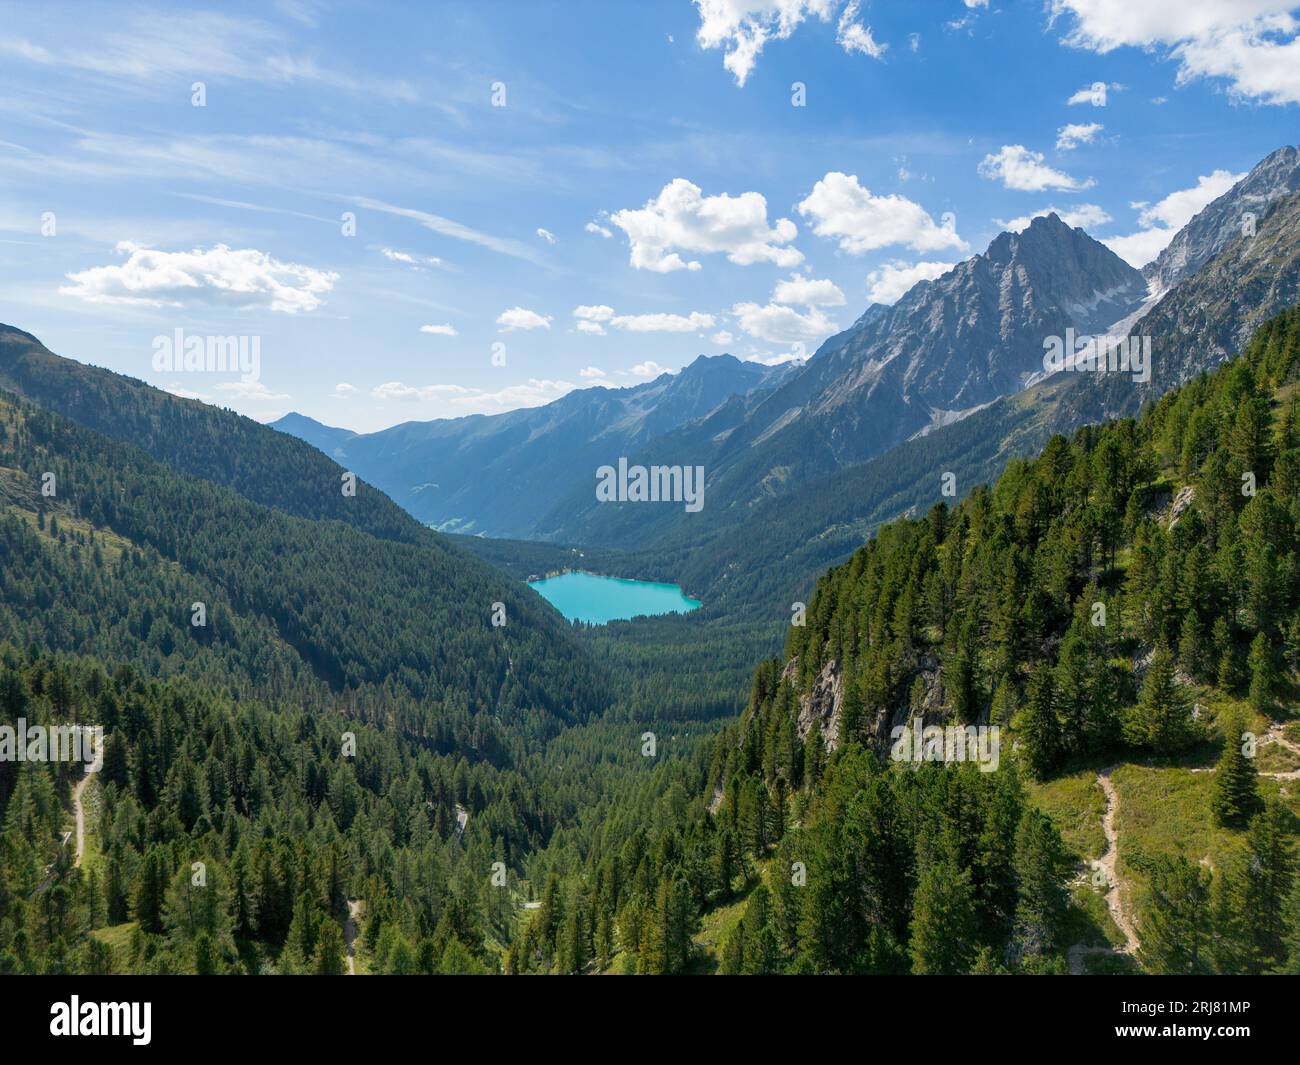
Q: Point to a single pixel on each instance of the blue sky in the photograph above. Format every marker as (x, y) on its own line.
(648, 191)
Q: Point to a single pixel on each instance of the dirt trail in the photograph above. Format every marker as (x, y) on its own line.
(79, 811)
(1276, 735)
(1114, 896)
(350, 934)
(1114, 890)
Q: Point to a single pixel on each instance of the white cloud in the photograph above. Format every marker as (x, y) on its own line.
(546, 235)
(1160, 222)
(592, 372)
(185, 393)
(649, 368)
(251, 390)
(522, 318)
(536, 392)
(1179, 208)
(1096, 94)
(399, 390)
(1070, 136)
(841, 208)
(1253, 45)
(809, 292)
(220, 275)
(743, 27)
(1019, 168)
(590, 316)
(891, 282)
(344, 389)
(662, 323)
(722, 338)
(1084, 216)
(415, 262)
(599, 230)
(444, 330)
(448, 227)
(681, 217)
(852, 36)
(1141, 247)
(474, 400)
(779, 324)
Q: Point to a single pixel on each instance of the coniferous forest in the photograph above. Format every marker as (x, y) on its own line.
(558, 488)
(1126, 598)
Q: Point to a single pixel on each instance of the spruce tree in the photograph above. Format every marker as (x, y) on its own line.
(1234, 795)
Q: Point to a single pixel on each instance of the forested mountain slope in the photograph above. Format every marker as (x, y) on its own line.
(229, 649)
(195, 438)
(1129, 596)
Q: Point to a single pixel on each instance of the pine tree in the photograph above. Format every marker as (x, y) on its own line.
(1263, 674)
(1036, 725)
(331, 952)
(943, 920)
(1042, 901)
(1162, 719)
(1234, 795)
(1175, 927)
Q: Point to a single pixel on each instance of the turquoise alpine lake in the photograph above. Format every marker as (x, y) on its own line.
(594, 599)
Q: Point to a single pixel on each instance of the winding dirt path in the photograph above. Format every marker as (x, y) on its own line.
(350, 934)
(79, 811)
(1114, 896)
(1114, 889)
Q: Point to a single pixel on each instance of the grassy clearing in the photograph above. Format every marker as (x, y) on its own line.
(1075, 803)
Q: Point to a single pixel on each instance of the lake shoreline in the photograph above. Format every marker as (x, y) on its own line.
(593, 605)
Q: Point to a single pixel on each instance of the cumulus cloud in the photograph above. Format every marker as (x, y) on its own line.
(546, 235)
(892, 281)
(1160, 222)
(839, 207)
(1084, 216)
(682, 218)
(1252, 45)
(591, 372)
(522, 318)
(599, 230)
(743, 28)
(1070, 136)
(219, 275)
(444, 330)
(649, 368)
(780, 324)
(1025, 171)
(808, 291)
(722, 338)
(344, 389)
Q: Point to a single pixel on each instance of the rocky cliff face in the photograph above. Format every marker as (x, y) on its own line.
(1224, 220)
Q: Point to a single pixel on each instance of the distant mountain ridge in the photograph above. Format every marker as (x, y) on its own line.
(496, 474)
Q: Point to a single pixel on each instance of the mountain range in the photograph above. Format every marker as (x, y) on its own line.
(950, 378)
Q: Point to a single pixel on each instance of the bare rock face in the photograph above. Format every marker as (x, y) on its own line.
(930, 707)
(822, 703)
(1223, 221)
(1180, 504)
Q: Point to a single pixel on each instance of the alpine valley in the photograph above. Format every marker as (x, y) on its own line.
(996, 665)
